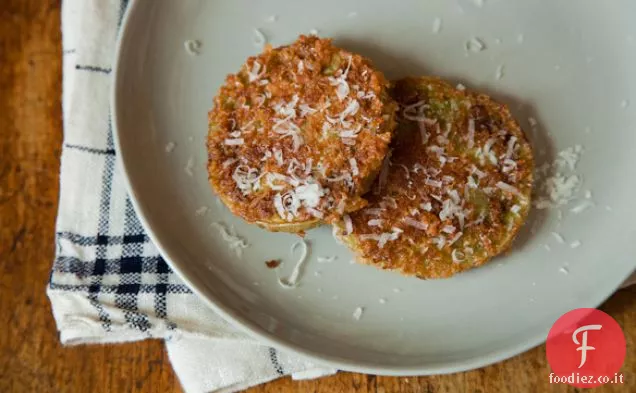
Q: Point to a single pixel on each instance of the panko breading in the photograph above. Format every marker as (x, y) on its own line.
(455, 190)
(298, 135)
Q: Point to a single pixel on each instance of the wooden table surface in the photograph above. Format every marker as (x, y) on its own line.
(31, 358)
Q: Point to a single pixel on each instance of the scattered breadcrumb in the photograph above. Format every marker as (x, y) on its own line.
(460, 87)
(273, 263)
(170, 147)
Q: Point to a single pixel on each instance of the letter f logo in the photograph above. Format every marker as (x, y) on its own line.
(584, 347)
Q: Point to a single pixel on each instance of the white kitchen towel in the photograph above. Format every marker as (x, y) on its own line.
(109, 284)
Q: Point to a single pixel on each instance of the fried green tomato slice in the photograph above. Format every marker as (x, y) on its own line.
(298, 135)
(455, 190)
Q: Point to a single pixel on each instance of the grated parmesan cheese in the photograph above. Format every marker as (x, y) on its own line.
(236, 243)
(556, 187)
(357, 313)
(448, 229)
(255, 73)
(520, 38)
(170, 147)
(376, 222)
(189, 167)
(292, 281)
(559, 238)
(475, 45)
(354, 166)
(433, 183)
(575, 244)
(201, 211)
(234, 142)
(458, 256)
(193, 47)
(342, 87)
(326, 259)
(437, 25)
(415, 223)
(348, 224)
(383, 238)
(582, 207)
(259, 39)
(499, 73)
(508, 188)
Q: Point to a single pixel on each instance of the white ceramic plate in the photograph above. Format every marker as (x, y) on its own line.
(568, 64)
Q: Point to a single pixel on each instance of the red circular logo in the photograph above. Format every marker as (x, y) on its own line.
(586, 348)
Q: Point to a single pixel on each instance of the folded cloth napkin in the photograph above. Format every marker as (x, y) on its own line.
(109, 284)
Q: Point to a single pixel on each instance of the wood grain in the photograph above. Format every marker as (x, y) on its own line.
(31, 358)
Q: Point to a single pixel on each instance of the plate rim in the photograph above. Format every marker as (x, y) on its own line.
(251, 329)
